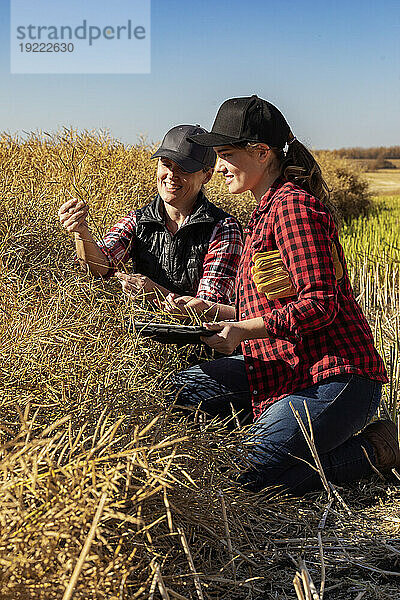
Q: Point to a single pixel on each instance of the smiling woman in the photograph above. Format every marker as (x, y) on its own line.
(308, 350)
(179, 189)
(241, 171)
(180, 244)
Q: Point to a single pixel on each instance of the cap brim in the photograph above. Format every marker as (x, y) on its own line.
(187, 164)
(214, 139)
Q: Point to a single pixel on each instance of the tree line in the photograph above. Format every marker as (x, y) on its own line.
(378, 152)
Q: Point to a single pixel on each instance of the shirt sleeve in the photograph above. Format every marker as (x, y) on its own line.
(304, 231)
(117, 244)
(221, 262)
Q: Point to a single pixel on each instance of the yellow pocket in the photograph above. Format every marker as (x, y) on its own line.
(271, 277)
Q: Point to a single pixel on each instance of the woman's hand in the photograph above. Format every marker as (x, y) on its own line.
(183, 306)
(72, 215)
(227, 336)
(134, 284)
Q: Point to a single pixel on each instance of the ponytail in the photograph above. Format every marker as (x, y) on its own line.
(300, 167)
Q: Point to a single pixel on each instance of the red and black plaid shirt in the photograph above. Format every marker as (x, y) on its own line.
(321, 331)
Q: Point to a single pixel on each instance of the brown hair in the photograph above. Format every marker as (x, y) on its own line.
(299, 166)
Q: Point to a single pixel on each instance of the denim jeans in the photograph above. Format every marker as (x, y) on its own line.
(339, 407)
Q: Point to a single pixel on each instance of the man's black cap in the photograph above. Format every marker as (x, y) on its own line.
(189, 156)
(248, 119)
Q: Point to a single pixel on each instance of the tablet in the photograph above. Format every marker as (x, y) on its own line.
(168, 333)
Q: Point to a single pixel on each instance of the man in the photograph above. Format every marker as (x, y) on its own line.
(180, 244)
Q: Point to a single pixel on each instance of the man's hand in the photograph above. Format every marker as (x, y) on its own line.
(227, 336)
(134, 284)
(73, 215)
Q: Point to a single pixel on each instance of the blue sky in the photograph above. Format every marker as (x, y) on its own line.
(332, 67)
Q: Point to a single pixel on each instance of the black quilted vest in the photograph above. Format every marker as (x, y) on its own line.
(174, 261)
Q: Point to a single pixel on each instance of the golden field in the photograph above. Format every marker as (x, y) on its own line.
(384, 181)
(106, 494)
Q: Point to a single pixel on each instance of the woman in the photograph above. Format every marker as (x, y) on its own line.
(304, 338)
(180, 243)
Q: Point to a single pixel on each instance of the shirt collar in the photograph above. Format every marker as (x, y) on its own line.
(201, 211)
(265, 201)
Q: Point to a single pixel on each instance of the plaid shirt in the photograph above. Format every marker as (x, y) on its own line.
(220, 264)
(320, 332)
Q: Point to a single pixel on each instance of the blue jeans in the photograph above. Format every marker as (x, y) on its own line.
(339, 407)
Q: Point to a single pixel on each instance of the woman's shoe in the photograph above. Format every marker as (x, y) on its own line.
(382, 435)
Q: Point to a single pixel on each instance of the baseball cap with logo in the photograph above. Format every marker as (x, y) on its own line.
(177, 146)
(248, 119)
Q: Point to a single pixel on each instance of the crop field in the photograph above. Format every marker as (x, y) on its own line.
(105, 492)
(384, 181)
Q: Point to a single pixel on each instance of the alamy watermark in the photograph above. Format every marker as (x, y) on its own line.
(46, 37)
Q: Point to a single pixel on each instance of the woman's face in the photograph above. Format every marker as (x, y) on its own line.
(177, 187)
(240, 167)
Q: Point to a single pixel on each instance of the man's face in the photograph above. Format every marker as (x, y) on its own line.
(177, 187)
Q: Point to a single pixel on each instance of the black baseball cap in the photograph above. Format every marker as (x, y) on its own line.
(248, 119)
(189, 156)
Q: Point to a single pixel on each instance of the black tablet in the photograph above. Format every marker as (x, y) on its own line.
(168, 333)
